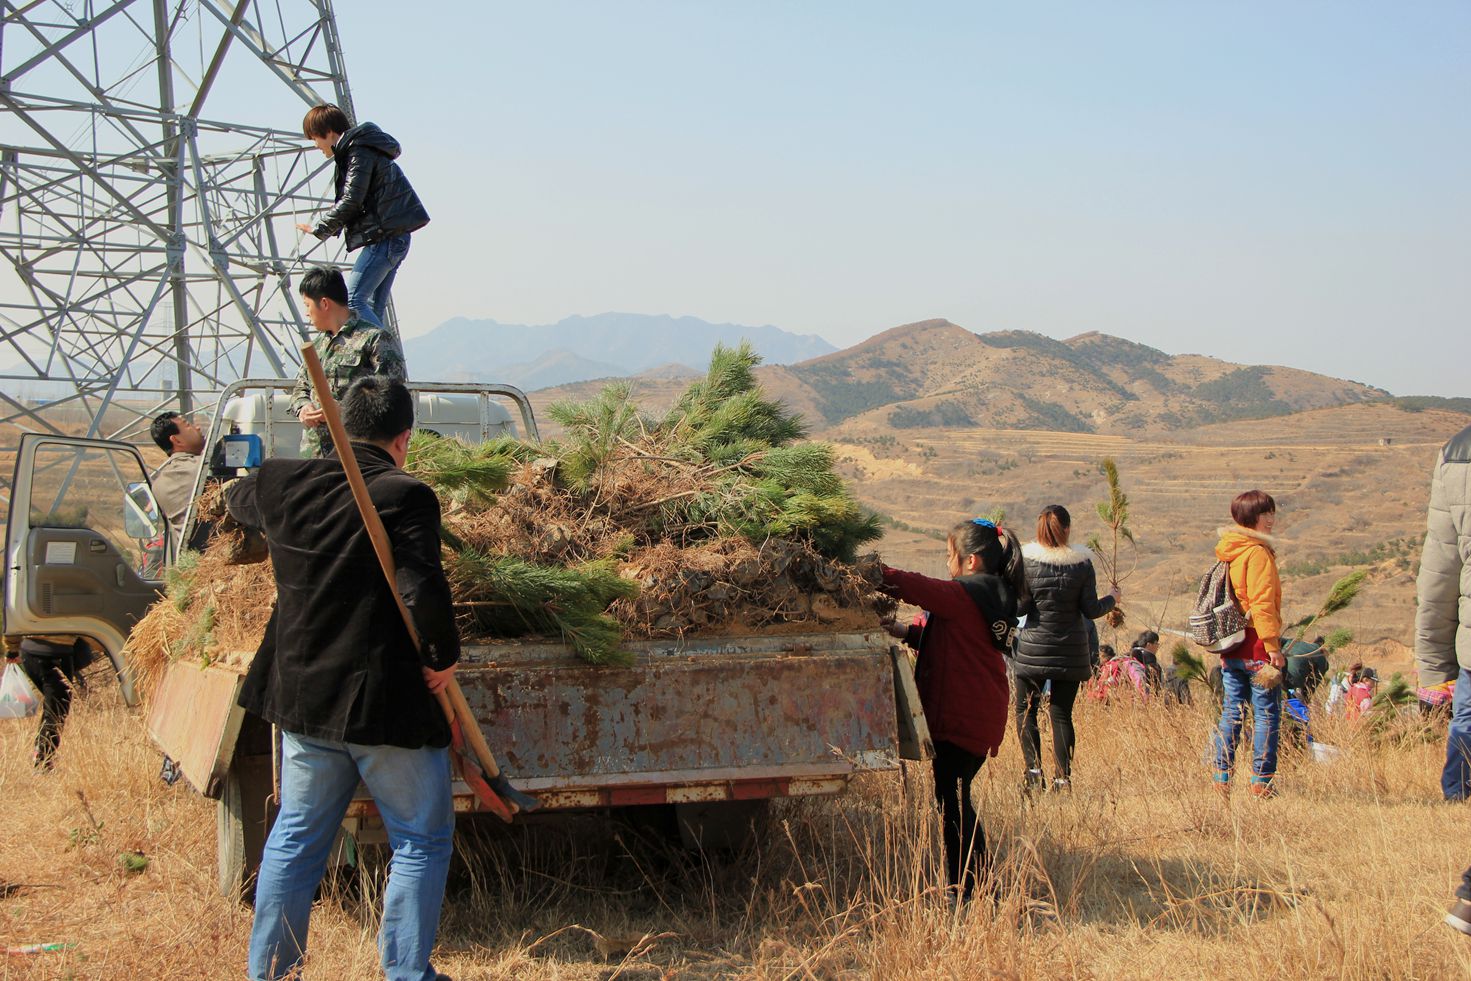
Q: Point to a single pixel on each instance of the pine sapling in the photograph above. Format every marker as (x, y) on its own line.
(1187, 665)
(1114, 512)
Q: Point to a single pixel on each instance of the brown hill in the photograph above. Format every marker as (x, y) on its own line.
(936, 373)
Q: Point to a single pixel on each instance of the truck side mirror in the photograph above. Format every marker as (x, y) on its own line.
(140, 512)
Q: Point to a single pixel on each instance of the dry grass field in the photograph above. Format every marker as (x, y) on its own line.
(1143, 872)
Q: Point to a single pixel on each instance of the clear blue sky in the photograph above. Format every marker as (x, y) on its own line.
(1267, 182)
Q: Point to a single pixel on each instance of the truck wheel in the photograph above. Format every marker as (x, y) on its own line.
(726, 825)
(243, 817)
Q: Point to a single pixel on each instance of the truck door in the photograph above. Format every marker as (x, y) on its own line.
(86, 543)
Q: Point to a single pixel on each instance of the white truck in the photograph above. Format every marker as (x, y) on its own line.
(709, 729)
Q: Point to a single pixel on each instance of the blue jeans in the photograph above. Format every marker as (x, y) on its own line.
(1266, 711)
(318, 777)
(1455, 779)
(372, 277)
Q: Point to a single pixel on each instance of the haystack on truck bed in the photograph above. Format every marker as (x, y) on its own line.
(709, 728)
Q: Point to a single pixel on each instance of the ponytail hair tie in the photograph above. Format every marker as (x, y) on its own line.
(986, 523)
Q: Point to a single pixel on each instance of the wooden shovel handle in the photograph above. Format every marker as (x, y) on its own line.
(452, 699)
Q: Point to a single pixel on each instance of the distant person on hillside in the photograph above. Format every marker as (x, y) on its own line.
(1146, 651)
(1360, 696)
(1122, 675)
(1177, 687)
(961, 674)
(376, 206)
(1338, 688)
(1052, 649)
(1249, 548)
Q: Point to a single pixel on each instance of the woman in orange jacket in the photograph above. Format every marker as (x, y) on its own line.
(1249, 549)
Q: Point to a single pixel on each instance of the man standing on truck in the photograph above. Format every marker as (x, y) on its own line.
(338, 673)
(348, 346)
(376, 205)
(174, 481)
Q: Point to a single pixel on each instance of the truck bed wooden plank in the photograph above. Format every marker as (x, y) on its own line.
(194, 719)
(914, 731)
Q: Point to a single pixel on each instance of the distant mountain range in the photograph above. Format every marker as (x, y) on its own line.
(581, 348)
(936, 374)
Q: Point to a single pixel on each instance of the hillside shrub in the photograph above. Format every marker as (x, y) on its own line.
(943, 414)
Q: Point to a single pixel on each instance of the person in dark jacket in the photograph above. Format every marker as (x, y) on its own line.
(54, 665)
(338, 672)
(376, 206)
(961, 674)
(1061, 590)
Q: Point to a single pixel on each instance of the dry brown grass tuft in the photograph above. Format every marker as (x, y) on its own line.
(203, 628)
(1142, 872)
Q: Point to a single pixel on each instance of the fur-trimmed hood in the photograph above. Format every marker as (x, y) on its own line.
(1235, 540)
(1047, 555)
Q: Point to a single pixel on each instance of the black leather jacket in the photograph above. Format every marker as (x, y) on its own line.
(1062, 590)
(374, 199)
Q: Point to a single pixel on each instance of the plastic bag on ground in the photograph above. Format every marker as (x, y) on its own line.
(17, 698)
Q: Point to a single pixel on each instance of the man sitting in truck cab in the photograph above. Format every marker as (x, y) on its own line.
(174, 481)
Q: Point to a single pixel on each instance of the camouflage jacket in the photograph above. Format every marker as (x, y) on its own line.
(357, 350)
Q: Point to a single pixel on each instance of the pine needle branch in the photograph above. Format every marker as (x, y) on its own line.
(1339, 598)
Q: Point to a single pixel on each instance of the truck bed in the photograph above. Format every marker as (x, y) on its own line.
(698, 720)
(702, 719)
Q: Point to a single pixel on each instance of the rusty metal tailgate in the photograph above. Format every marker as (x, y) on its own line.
(757, 712)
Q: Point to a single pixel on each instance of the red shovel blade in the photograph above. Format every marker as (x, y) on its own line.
(470, 773)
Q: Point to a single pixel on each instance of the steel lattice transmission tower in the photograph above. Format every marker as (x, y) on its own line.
(152, 171)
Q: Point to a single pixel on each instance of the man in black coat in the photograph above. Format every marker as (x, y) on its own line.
(338, 673)
(376, 206)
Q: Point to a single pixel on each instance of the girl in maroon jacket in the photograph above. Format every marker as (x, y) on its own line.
(961, 675)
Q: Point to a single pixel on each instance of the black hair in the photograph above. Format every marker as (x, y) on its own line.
(1146, 638)
(1106, 652)
(377, 408)
(164, 427)
(324, 281)
(998, 551)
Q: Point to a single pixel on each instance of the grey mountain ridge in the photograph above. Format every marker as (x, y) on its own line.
(582, 348)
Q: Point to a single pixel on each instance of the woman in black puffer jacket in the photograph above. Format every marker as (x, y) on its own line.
(1052, 649)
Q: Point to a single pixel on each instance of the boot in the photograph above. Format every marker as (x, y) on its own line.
(1034, 783)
